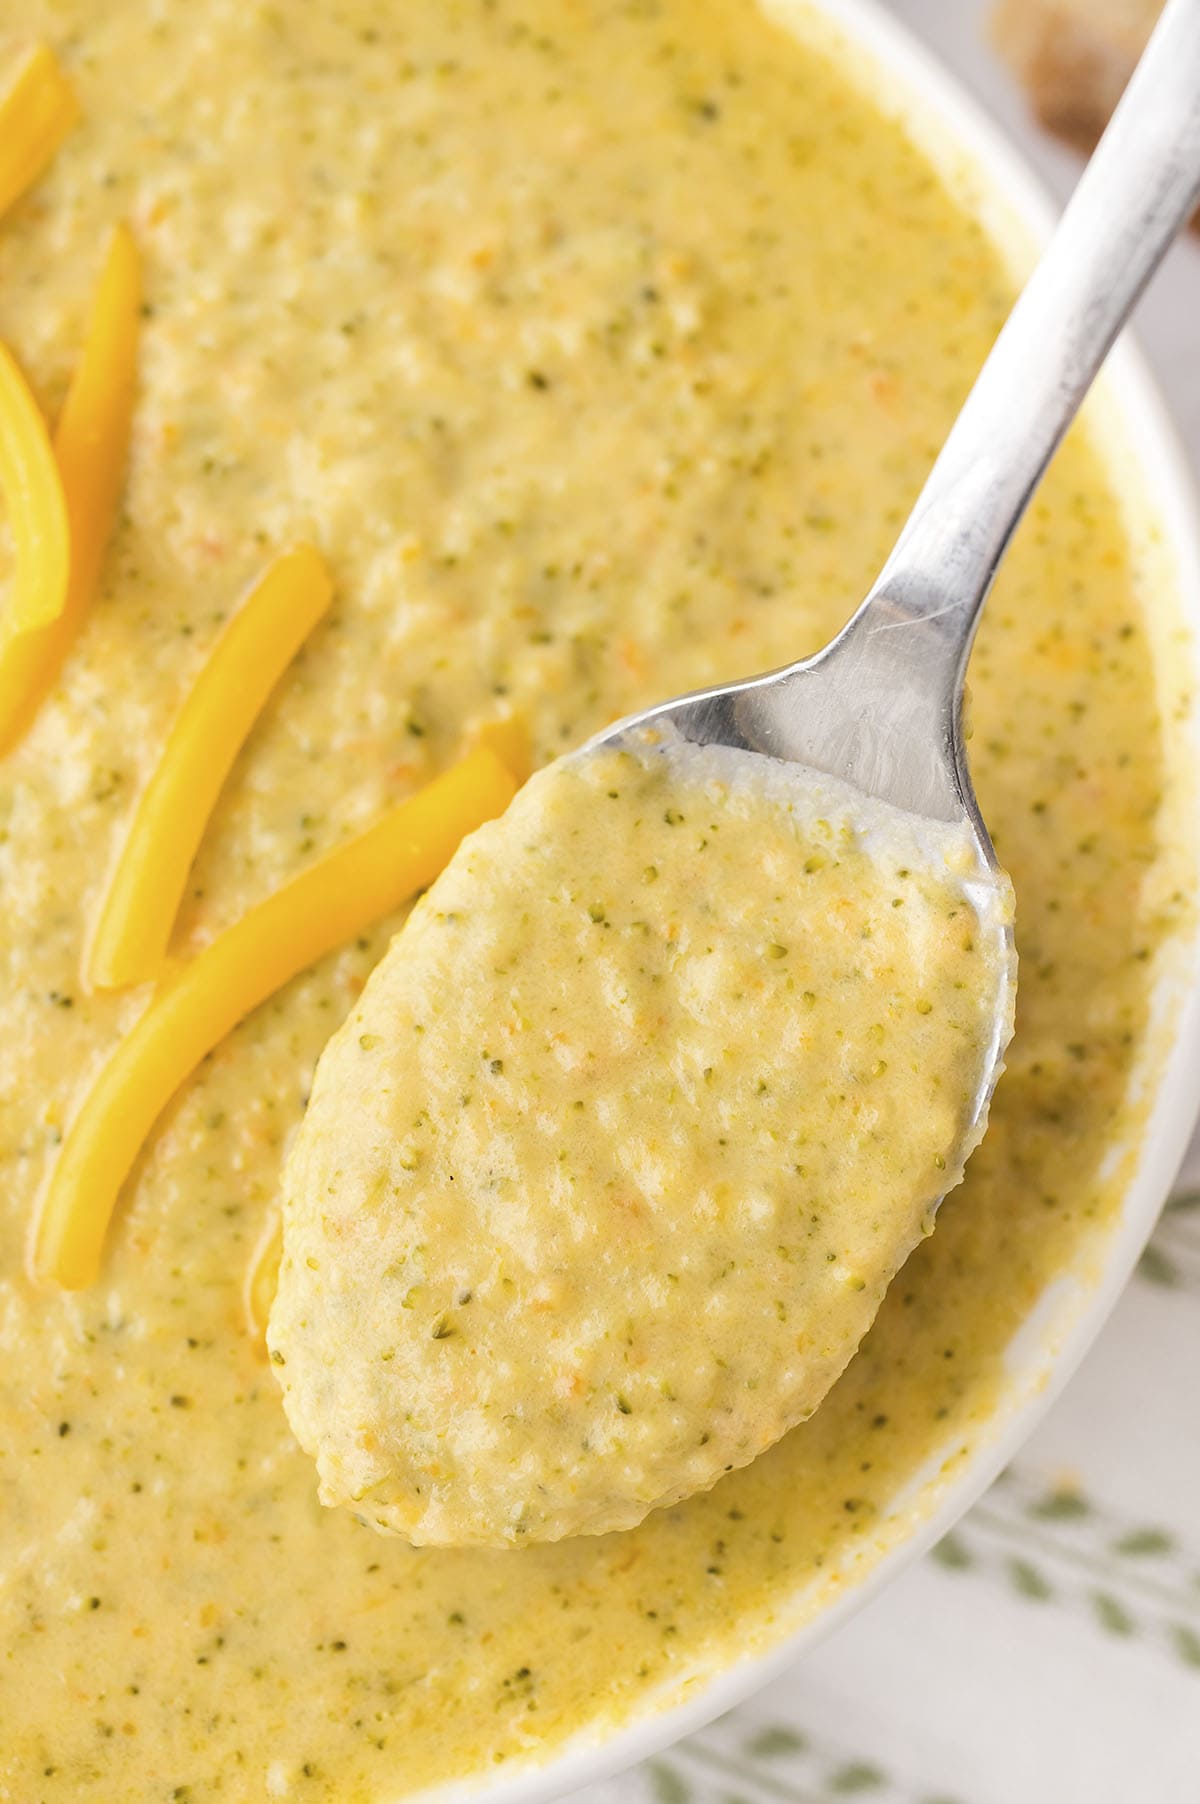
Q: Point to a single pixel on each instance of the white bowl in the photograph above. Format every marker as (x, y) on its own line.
(1135, 437)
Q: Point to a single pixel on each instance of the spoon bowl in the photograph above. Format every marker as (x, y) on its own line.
(859, 712)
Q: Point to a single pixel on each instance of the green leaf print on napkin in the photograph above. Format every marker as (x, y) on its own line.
(1172, 1260)
(774, 1763)
(1052, 1544)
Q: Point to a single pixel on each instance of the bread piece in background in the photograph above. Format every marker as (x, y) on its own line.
(1073, 57)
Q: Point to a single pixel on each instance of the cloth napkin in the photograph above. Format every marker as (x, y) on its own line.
(1048, 1650)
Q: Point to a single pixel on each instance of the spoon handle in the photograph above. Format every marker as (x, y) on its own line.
(1138, 189)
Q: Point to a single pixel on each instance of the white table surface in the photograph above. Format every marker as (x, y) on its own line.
(1049, 1651)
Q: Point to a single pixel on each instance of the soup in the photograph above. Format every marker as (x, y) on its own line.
(601, 345)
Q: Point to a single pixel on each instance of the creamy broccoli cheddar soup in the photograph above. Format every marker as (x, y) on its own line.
(601, 347)
(603, 1180)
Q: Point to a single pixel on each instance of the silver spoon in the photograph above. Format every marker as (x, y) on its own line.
(881, 706)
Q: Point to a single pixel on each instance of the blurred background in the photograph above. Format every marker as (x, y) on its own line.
(1048, 1651)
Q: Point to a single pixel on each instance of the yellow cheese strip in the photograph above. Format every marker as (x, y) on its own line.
(130, 940)
(262, 1277)
(509, 738)
(323, 907)
(37, 508)
(91, 446)
(35, 116)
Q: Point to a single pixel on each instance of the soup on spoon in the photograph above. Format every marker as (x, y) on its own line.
(604, 1179)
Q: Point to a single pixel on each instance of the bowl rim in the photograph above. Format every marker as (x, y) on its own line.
(945, 119)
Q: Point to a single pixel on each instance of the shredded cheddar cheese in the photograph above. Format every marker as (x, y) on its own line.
(260, 640)
(35, 116)
(509, 738)
(193, 1010)
(37, 508)
(91, 446)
